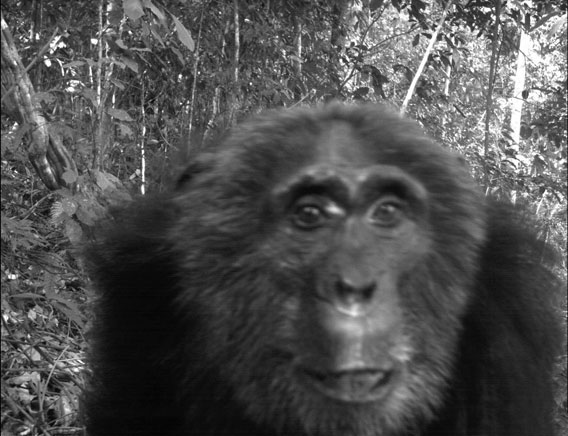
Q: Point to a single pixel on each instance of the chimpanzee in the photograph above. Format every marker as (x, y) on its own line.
(329, 272)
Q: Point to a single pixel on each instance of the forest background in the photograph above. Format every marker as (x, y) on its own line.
(103, 100)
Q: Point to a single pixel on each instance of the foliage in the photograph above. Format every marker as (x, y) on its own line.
(43, 302)
(137, 86)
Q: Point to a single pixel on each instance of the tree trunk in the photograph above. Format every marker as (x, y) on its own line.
(518, 100)
(433, 40)
(49, 157)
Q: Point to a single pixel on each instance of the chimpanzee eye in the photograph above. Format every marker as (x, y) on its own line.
(309, 216)
(387, 212)
(314, 211)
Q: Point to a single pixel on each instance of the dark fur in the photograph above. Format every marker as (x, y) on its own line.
(196, 313)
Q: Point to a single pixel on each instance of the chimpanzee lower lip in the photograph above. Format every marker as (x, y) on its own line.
(355, 386)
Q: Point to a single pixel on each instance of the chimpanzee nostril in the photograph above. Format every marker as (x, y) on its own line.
(349, 292)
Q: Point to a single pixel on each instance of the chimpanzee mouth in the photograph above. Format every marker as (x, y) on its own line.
(355, 386)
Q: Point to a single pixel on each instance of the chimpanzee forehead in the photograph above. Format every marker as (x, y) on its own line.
(342, 143)
(339, 146)
(352, 138)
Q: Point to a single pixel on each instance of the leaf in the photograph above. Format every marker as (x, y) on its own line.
(73, 231)
(156, 11)
(90, 95)
(133, 9)
(361, 92)
(103, 181)
(119, 114)
(64, 305)
(539, 164)
(125, 131)
(56, 213)
(375, 4)
(121, 44)
(69, 176)
(73, 64)
(416, 40)
(132, 64)
(70, 310)
(85, 217)
(20, 133)
(179, 55)
(557, 26)
(68, 206)
(154, 31)
(456, 58)
(183, 34)
(117, 83)
(115, 17)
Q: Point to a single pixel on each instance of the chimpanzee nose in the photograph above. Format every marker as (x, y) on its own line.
(348, 292)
